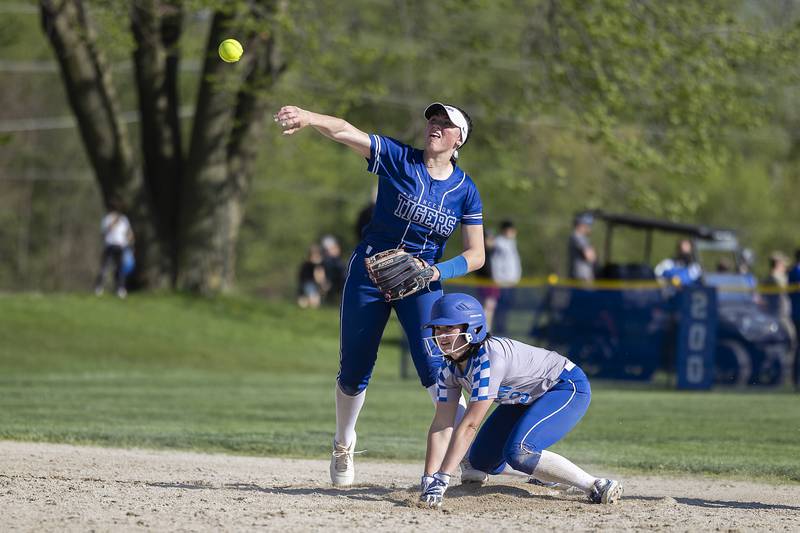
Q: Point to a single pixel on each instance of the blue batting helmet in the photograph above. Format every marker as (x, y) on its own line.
(457, 308)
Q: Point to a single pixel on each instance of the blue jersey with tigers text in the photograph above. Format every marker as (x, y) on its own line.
(413, 210)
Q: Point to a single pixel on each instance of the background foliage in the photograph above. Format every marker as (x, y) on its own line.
(686, 110)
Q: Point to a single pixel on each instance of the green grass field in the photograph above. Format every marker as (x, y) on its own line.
(240, 375)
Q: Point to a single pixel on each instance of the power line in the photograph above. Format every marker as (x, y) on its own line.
(68, 121)
(51, 67)
(18, 9)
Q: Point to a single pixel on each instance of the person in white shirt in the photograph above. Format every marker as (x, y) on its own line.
(117, 251)
(506, 272)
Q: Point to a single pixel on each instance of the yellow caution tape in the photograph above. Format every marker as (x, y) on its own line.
(608, 284)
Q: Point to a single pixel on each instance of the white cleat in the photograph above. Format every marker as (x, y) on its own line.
(343, 469)
(471, 475)
(606, 491)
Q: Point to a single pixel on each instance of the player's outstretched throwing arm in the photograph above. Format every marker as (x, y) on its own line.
(292, 119)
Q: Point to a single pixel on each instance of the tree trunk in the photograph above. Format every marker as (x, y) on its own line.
(157, 27)
(185, 214)
(228, 122)
(91, 95)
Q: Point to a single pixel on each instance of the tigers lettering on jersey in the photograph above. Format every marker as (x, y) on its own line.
(412, 209)
(429, 216)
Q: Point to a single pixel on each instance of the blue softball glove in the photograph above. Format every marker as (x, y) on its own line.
(433, 495)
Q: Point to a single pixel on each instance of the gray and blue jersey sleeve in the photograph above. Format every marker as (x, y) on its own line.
(481, 380)
(447, 387)
(487, 376)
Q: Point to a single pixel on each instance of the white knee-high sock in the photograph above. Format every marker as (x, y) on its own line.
(347, 410)
(508, 471)
(555, 468)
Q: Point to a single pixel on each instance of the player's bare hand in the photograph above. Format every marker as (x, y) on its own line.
(292, 119)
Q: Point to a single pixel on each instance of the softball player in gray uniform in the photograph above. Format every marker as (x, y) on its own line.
(541, 395)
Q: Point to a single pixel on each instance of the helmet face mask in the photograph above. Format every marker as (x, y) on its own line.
(443, 345)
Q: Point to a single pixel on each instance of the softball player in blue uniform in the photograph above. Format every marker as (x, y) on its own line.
(422, 196)
(541, 395)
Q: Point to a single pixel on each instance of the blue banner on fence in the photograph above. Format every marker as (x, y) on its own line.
(715, 332)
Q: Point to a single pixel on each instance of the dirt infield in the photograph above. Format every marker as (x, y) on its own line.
(59, 487)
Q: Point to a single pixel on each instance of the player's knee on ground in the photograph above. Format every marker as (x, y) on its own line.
(351, 390)
(519, 457)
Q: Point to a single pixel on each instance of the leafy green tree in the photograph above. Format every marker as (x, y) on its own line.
(671, 108)
(185, 204)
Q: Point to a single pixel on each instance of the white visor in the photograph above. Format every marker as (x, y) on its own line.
(455, 116)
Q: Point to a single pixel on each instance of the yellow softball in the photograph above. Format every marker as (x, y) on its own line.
(230, 50)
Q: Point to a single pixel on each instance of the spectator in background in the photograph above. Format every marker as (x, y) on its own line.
(506, 272)
(488, 292)
(117, 251)
(580, 253)
(312, 280)
(365, 215)
(793, 279)
(682, 266)
(334, 268)
(776, 301)
(747, 262)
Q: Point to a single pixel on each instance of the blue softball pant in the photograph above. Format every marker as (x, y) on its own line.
(364, 313)
(517, 434)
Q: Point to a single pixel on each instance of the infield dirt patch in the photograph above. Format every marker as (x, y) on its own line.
(60, 487)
